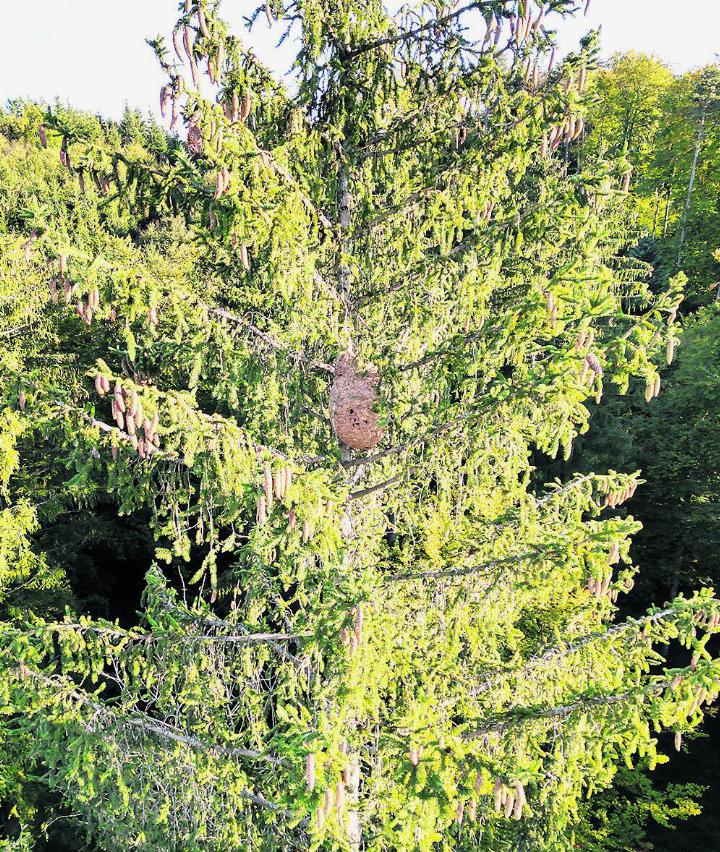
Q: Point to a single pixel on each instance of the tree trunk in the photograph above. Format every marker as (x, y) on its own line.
(657, 210)
(691, 184)
(667, 210)
(351, 817)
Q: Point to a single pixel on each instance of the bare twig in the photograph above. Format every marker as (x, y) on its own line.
(358, 495)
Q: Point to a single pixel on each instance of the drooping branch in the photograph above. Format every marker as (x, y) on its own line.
(420, 269)
(168, 635)
(308, 203)
(205, 191)
(210, 420)
(146, 724)
(557, 653)
(414, 32)
(527, 715)
(441, 183)
(408, 121)
(115, 430)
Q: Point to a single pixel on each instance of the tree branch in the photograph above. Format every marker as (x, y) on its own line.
(558, 653)
(415, 31)
(507, 720)
(159, 635)
(464, 571)
(358, 495)
(569, 486)
(269, 339)
(268, 158)
(141, 721)
(11, 332)
(561, 712)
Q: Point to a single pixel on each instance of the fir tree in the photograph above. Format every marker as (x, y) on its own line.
(344, 320)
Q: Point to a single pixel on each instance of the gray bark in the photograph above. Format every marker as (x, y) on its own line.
(691, 184)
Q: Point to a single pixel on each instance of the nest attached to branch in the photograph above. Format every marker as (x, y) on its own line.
(353, 396)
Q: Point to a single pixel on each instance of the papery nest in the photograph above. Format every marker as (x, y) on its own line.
(353, 398)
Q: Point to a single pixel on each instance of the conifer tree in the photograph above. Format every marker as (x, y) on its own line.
(344, 318)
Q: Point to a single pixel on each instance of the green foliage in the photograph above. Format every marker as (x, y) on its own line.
(637, 107)
(673, 442)
(392, 648)
(681, 457)
(617, 820)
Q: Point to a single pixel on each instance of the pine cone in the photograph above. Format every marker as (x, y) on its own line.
(268, 484)
(194, 139)
(340, 797)
(498, 793)
(328, 801)
(472, 810)
(202, 23)
(594, 364)
(310, 772)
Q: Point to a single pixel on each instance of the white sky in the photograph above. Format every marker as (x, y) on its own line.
(92, 53)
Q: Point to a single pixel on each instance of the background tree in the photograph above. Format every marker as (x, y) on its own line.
(627, 432)
(668, 126)
(627, 103)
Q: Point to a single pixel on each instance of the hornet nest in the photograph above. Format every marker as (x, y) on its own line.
(352, 399)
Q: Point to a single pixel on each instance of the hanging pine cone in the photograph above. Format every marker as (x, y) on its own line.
(194, 137)
(352, 397)
(594, 364)
(472, 810)
(498, 795)
(310, 772)
(328, 801)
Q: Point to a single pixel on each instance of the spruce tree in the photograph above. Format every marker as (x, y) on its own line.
(313, 349)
